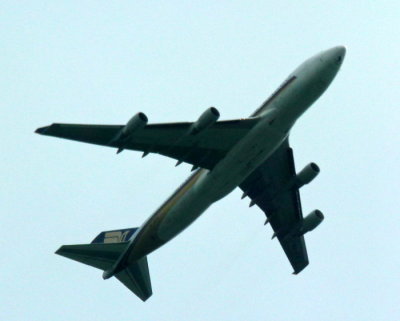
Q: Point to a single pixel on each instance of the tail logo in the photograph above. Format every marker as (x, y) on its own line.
(115, 236)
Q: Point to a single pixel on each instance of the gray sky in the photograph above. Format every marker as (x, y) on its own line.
(101, 62)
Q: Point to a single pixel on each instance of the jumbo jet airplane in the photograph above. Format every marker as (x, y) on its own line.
(252, 153)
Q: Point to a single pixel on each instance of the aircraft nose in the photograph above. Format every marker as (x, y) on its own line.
(340, 52)
(335, 55)
(330, 63)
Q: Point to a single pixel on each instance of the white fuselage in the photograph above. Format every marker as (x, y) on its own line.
(275, 118)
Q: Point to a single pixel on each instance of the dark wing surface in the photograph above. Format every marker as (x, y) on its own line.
(269, 187)
(169, 139)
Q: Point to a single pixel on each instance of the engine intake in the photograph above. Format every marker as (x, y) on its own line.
(311, 221)
(306, 175)
(136, 122)
(206, 120)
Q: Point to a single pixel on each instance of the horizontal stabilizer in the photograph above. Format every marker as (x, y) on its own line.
(105, 251)
(101, 256)
(136, 278)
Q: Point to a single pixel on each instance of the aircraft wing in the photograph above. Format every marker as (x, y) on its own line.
(267, 187)
(170, 139)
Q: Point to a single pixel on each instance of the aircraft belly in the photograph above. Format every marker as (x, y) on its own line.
(184, 212)
(207, 187)
(244, 158)
(223, 179)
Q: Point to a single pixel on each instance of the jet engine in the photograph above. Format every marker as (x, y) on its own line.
(306, 175)
(136, 122)
(311, 221)
(206, 120)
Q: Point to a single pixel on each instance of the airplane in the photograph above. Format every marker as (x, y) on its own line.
(251, 153)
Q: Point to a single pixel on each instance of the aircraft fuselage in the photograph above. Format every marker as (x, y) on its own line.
(204, 187)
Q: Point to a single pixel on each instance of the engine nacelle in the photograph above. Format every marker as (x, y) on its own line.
(136, 122)
(311, 221)
(206, 120)
(306, 175)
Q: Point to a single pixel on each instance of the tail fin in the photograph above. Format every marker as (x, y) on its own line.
(104, 251)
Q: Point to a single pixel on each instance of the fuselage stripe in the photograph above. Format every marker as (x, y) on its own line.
(273, 96)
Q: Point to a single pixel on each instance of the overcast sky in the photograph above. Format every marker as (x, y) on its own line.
(101, 62)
